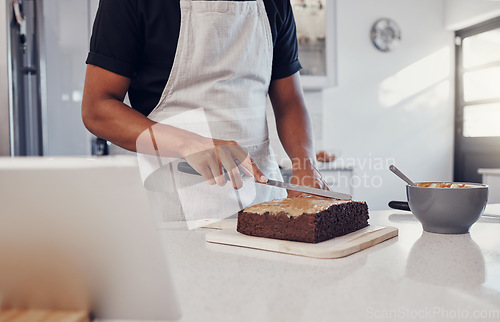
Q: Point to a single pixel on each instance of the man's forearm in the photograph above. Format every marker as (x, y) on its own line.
(292, 120)
(116, 122)
(295, 132)
(112, 120)
(106, 116)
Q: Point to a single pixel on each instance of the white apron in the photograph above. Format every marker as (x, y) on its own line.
(217, 88)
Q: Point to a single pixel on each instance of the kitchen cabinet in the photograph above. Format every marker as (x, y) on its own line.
(315, 21)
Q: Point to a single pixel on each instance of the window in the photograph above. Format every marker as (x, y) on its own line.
(477, 135)
(480, 83)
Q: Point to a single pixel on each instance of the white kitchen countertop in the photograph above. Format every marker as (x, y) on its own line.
(415, 276)
(489, 171)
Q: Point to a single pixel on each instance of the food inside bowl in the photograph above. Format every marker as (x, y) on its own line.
(451, 185)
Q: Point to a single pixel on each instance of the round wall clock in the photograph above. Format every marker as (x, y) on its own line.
(385, 34)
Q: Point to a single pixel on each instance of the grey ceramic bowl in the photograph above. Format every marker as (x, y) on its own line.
(447, 210)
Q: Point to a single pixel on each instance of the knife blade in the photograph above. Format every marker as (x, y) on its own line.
(309, 190)
(186, 168)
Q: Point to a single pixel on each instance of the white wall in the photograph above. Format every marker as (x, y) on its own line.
(391, 107)
(460, 14)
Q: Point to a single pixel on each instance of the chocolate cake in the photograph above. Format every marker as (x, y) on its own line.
(305, 219)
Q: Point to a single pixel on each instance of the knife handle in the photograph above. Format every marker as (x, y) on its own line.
(186, 168)
(399, 205)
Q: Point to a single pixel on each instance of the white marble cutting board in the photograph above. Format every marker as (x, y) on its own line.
(333, 248)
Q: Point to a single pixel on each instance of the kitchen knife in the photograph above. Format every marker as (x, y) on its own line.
(186, 168)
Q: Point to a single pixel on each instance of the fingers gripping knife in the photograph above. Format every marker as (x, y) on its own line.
(186, 168)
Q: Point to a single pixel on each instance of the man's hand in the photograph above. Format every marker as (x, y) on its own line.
(209, 156)
(205, 155)
(305, 174)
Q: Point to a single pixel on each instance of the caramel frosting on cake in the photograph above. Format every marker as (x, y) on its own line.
(295, 206)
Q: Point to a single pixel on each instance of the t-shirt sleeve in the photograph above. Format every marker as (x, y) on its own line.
(286, 50)
(116, 42)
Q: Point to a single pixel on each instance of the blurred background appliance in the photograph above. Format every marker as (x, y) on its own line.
(43, 46)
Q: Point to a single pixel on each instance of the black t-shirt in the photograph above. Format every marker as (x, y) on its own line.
(138, 39)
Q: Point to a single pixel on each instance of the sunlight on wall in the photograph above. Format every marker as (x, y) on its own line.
(432, 97)
(415, 78)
